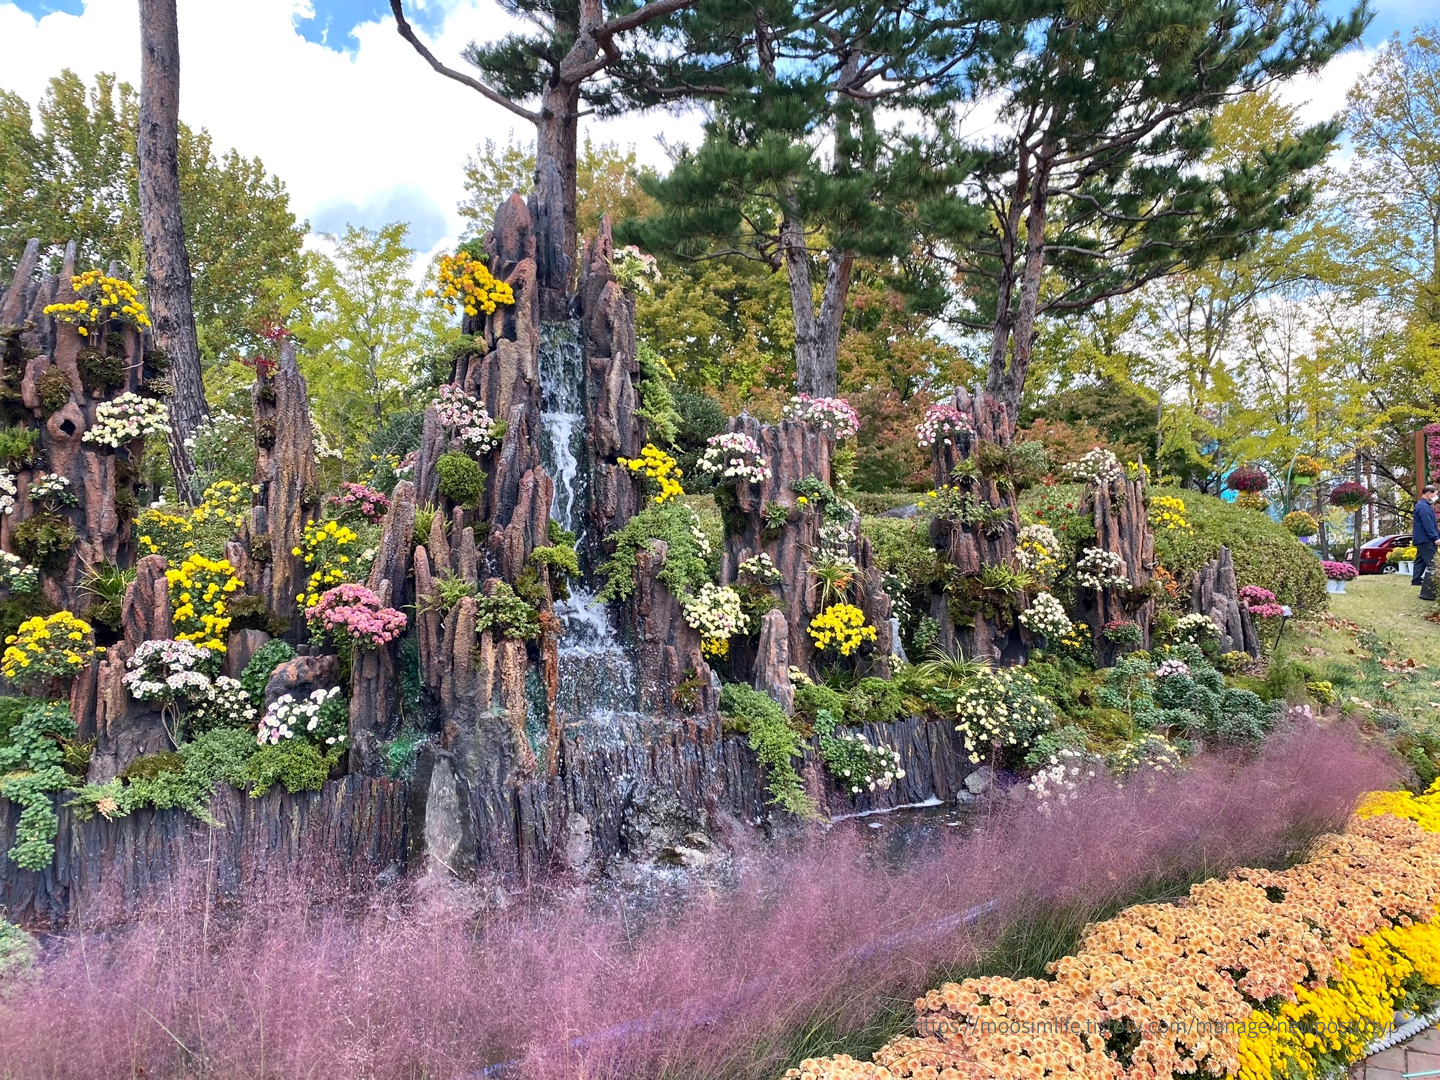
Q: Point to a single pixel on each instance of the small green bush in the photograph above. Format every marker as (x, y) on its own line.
(902, 547)
(100, 372)
(810, 700)
(257, 672)
(45, 540)
(1265, 553)
(687, 566)
(17, 445)
(18, 950)
(294, 763)
(53, 390)
(152, 765)
(462, 480)
(774, 741)
(874, 701)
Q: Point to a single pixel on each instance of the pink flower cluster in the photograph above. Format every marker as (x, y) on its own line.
(1261, 602)
(830, 414)
(1350, 494)
(1339, 571)
(941, 424)
(1248, 478)
(361, 499)
(1432, 444)
(353, 611)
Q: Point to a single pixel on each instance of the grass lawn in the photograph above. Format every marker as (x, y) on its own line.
(1377, 650)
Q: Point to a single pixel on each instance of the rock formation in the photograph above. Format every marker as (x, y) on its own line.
(1122, 527)
(1215, 593)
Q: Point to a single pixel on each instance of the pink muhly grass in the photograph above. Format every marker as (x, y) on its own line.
(411, 984)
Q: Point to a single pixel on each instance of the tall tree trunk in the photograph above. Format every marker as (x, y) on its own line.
(553, 203)
(167, 266)
(1009, 383)
(817, 337)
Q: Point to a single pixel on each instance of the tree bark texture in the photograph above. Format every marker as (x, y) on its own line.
(167, 266)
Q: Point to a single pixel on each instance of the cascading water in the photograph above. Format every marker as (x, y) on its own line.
(597, 693)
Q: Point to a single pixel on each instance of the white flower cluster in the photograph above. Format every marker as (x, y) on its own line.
(223, 703)
(1046, 617)
(469, 417)
(866, 765)
(7, 493)
(127, 418)
(733, 455)
(1000, 709)
(835, 539)
(1037, 548)
(1195, 629)
(1060, 780)
(715, 611)
(52, 489)
(697, 530)
(286, 718)
(1172, 667)
(1099, 466)
(759, 568)
(1100, 569)
(1149, 754)
(17, 575)
(168, 671)
(633, 269)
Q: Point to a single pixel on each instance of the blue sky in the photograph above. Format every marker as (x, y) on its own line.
(1391, 15)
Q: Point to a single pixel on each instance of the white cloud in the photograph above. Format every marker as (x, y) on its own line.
(1321, 97)
(372, 130)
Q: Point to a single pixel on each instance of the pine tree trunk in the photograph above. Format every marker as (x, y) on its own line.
(553, 203)
(167, 266)
(817, 338)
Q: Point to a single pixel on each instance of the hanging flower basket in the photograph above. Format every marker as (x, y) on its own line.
(1350, 495)
(1300, 523)
(1248, 478)
(1304, 470)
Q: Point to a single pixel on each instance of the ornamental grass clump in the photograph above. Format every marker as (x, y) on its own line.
(804, 951)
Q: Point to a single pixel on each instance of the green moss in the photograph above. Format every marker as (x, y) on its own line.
(687, 566)
(99, 372)
(902, 547)
(810, 700)
(152, 765)
(53, 390)
(775, 743)
(45, 540)
(462, 480)
(17, 609)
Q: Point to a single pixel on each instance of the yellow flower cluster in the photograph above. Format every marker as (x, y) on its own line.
(101, 297)
(178, 535)
(329, 550)
(54, 646)
(198, 591)
(660, 467)
(1252, 500)
(1286, 967)
(468, 284)
(1168, 512)
(841, 627)
(718, 647)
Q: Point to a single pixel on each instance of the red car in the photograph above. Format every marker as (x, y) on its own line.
(1373, 553)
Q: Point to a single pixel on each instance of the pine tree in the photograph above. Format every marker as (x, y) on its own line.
(1098, 184)
(568, 64)
(805, 165)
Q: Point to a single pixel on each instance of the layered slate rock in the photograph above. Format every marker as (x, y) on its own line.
(96, 368)
(1122, 527)
(289, 490)
(1215, 593)
(970, 547)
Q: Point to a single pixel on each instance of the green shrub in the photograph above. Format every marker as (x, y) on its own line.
(257, 672)
(810, 700)
(45, 540)
(100, 372)
(506, 612)
(1265, 553)
(774, 741)
(425, 522)
(657, 402)
(296, 764)
(32, 770)
(874, 701)
(152, 765)
(875, 503)
(902, 547)
(17, 445)
(53, 390)
(687, 563)
(462, 480)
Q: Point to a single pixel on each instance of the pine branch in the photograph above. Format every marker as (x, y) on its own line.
(408, 33)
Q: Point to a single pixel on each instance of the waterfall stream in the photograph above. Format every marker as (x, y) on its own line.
(597, 695)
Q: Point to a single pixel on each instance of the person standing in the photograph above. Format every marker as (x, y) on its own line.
(1424, 533)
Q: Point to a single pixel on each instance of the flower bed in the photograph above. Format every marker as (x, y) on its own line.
(1288, 974)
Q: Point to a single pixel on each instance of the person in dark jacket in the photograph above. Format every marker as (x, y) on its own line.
(1424, 533)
